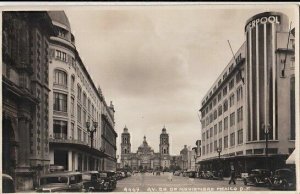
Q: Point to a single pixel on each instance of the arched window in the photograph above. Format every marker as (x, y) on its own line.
(164, 151)
(60, 77)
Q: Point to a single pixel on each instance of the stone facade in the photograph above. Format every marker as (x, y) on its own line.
(25, 105)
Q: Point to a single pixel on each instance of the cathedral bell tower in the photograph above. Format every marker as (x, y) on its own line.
(164, 142)
(125, 148)
(125, 144)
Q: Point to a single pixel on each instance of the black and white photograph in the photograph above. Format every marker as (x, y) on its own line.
(160, 98)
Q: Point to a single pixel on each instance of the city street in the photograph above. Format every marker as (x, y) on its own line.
(151, 183)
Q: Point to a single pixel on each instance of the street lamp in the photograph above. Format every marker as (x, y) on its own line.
(266, 129)
(219, 150)
(92, 130)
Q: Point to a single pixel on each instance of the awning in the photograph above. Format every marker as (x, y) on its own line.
(291, 158)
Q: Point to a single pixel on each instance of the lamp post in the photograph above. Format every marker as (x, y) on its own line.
(266, 129)
(92, 130)
(219, 150)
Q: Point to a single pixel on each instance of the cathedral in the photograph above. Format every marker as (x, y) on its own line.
(145, 158)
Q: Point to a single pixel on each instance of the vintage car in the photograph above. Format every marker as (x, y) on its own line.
(119, 175)
(61, 182)
(110, 180)
(201, 174)
(92, 181)
(257, 177)
(192, 174)
(212, 175)
(284, 179)
(177, 173)
(8, 185)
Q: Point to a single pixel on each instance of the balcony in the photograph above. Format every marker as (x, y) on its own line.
(62, 138)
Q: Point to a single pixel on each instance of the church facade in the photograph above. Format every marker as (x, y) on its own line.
(145, 158)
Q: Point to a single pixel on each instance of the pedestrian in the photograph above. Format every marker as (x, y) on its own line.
(232, 174)
(170, 178)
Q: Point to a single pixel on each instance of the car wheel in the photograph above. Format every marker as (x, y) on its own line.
(245, 182)
(285, 185)
(90, 190)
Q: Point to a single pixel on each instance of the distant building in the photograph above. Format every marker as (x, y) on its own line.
(145, 157)
(25, 97)
(75, 100)
(184, 162)
(254, 94)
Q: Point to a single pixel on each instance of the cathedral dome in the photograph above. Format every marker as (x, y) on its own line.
(125, 129)
(144, 147)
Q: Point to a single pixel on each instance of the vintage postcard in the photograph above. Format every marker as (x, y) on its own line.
(137, 97)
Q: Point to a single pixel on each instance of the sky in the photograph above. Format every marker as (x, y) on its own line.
(156, 63)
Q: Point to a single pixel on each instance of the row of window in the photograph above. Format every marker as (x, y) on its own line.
(60, 103)
(60, 131)
(231, 83)
(223, 143)
(222, 108)
(209, 132)
(224, 91)
(61, 78)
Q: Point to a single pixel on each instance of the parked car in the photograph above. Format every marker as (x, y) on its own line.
(184, 173)
(208, 175)
(129, 174)
(119, 175)
(177, 173)
(92, 181)
(8, 184)
(192, 174)
(257, 177)
(202, 174)
(61, 182)
(110, 180)
(284, 179)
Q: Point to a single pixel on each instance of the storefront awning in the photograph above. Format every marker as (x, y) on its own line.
(291, 158)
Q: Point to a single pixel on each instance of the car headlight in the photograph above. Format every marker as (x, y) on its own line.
(280, 181)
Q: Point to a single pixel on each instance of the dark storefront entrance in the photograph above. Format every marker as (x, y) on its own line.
(9, 147)
(244, 163)
(61, 158)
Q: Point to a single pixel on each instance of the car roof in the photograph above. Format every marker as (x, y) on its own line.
(259, 169)
(107, 171)
(284, 169)
(6, 176)
(61, 174)
(90, 172)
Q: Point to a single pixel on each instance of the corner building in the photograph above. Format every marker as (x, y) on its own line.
(25, 95)
(252, 99)
(74, 101)
(145, 157)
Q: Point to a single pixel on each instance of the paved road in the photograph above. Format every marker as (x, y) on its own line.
(150, 183)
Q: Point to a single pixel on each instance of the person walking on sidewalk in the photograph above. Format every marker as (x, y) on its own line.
(232, 174)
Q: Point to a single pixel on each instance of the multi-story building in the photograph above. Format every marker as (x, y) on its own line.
(25, 105)
(253, 98)
(76, 102)
(145, 157)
